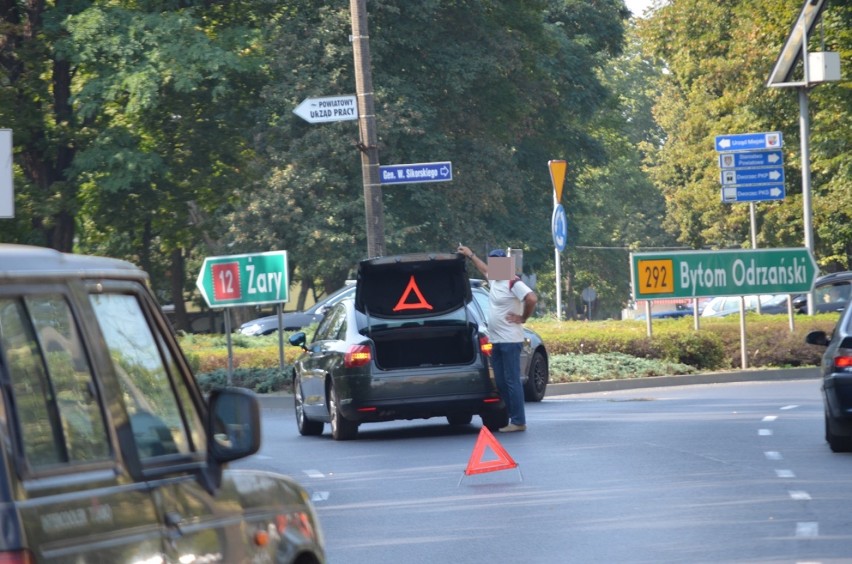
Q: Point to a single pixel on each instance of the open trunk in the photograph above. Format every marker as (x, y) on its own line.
(425, 345)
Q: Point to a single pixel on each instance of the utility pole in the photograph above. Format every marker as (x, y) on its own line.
(368, 139)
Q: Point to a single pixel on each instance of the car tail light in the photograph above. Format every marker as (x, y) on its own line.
(485, 345)
(357, 355)
(843, 361)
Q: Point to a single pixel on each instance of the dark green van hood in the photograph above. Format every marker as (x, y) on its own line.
(412, 285)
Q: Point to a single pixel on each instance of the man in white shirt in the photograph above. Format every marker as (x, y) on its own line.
(511, 304)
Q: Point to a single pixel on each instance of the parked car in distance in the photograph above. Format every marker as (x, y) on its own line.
(408, 345)
(295, 320)
(728, 305)
(110, 452)
(836, 368)
(831, 294)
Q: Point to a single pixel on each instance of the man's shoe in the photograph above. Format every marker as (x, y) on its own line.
(512, 428)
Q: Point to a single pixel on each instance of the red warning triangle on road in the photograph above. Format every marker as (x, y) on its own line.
(403, 300)
(478, 466)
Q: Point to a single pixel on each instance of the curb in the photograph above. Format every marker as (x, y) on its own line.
(285, 399)
(811, 372)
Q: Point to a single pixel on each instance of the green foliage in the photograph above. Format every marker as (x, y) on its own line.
(508, 72)
(260, 380)
(718, 56)
(610, 366)
(578, 351)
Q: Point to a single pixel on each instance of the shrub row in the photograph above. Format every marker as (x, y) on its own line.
(594, 350)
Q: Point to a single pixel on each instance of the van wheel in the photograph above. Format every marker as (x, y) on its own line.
(342, 429)
(537, 378)
(460, 418)
(306, 426)
(838, 443)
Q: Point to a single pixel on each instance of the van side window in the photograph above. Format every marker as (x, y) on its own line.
(56, 402)
(159, 426)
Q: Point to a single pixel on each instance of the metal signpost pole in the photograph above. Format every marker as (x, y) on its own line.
(558, 225)
(368, 143)
(558, 262)
(804, 128)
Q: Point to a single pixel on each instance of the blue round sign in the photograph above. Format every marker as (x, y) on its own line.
(559, 227)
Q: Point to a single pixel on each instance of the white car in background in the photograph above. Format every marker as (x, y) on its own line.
(728, 305)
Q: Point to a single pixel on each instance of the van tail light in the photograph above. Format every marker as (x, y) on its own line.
(485, 345)
(357, 355)
(16, 557)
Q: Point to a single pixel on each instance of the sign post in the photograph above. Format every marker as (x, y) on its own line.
(327, 109)
(241, 280)
(558, 224)
(7, 191)
(694, 274)
(752, 166)
(416, 173)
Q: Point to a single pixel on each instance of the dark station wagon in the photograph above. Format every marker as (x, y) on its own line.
(108, 450)
(411, 344)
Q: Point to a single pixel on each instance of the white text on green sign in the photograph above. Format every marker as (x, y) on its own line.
(244, 279)
(722, 273)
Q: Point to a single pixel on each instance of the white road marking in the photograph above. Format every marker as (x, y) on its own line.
(799, 495)
(770, 418)
(319, 496)
(314, 473)
(773, 455)
(786, 407)
(785, 473)
(807, 529)
(764, 432)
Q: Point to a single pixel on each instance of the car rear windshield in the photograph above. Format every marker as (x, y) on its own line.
(456, 317)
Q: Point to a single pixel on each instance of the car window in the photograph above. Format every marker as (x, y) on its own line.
(144, 370)
(832, 293)
(330, 325)
(481, 299)
(54, 393)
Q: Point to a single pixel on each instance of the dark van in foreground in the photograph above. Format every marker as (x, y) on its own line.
(108, 451)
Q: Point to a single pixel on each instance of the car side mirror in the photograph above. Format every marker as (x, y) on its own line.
(819, 338)
(298, 339)
(233, 424)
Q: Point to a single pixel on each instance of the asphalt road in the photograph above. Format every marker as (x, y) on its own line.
(720, 471)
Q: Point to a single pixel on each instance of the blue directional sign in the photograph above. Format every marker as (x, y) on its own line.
(751, 158)
(753, 193)
(416, 173)
(763, 175)
(559, 227)
(749, 141)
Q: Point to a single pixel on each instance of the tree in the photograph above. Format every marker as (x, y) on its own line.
(717, 57)
(129, 124)
(498, 88)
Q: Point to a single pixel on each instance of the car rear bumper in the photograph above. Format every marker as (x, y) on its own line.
(420, 408)
(837, 393)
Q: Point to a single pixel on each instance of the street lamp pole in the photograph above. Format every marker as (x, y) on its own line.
(368, 139)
